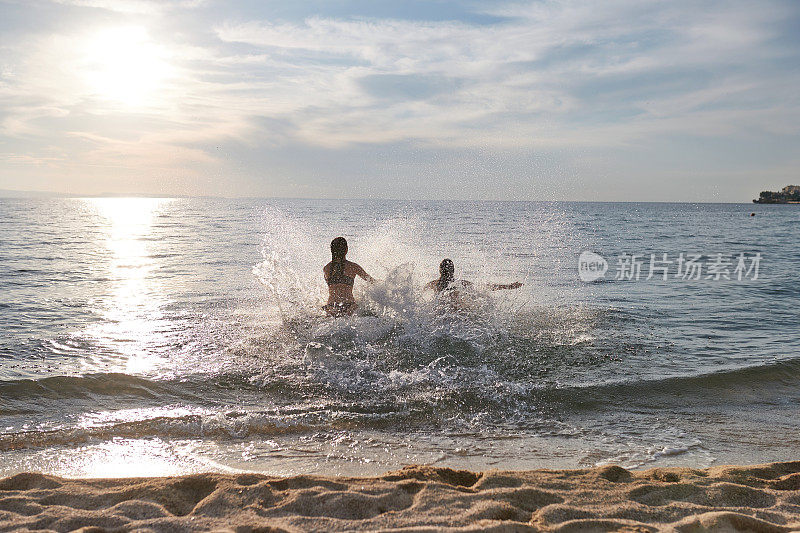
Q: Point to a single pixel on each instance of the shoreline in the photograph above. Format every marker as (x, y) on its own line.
(763, 497)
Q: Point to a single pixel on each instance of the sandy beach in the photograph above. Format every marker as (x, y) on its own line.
(763, 498)
(486, 265)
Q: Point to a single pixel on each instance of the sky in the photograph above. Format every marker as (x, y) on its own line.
(619, 100)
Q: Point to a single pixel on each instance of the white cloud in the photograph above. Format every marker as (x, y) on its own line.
(135, 6)
(507, 67)
(549, 75)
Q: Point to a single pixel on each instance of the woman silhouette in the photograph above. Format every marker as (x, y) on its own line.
(340, 274)
(449, 285)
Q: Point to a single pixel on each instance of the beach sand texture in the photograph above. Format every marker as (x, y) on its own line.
(417, 498)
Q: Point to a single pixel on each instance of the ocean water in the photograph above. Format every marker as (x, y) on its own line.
(167, 336)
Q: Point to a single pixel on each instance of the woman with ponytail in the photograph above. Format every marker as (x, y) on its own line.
(340, 275)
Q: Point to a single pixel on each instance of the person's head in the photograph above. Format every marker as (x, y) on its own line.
(447, 269)
(338, 248)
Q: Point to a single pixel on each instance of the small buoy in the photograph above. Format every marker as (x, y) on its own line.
(752, 214)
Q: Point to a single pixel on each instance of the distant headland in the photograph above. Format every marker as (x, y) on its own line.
(788, 195)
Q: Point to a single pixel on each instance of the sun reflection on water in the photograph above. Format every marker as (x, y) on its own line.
(120, 457)
(133, 308)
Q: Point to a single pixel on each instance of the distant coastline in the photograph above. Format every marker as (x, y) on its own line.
(28, 194)
(788, 195)
(10, 193)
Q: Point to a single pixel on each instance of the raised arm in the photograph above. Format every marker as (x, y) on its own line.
(363, 273)
(502, 286)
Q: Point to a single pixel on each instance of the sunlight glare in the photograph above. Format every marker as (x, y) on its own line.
(125, 66)
(134, 307)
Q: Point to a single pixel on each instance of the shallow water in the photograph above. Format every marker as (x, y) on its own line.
(163, 336)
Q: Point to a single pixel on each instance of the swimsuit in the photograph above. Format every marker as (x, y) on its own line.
(340, 308)
(443, 284)
(338, 277)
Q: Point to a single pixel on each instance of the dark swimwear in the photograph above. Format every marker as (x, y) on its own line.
(443, 284)
(338, 277)
(340, 308)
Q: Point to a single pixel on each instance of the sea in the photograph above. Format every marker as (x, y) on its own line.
(168, 336)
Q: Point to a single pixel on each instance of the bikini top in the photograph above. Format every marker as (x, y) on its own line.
(448, 284)
(338, 277)
(443, 284)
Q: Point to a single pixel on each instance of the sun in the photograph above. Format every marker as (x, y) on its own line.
(124, 65)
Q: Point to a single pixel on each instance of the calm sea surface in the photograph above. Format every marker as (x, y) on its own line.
(165, 336)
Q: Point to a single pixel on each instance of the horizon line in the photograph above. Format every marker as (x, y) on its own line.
(28, 194)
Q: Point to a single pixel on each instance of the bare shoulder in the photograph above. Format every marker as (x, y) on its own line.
(354, 267)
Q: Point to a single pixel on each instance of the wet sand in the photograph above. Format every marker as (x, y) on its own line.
(417, 498)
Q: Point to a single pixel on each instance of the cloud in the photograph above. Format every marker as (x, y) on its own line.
(568, 64)
(529, 77)
(135, 6)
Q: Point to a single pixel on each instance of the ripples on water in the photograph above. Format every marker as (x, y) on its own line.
(158, 336)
